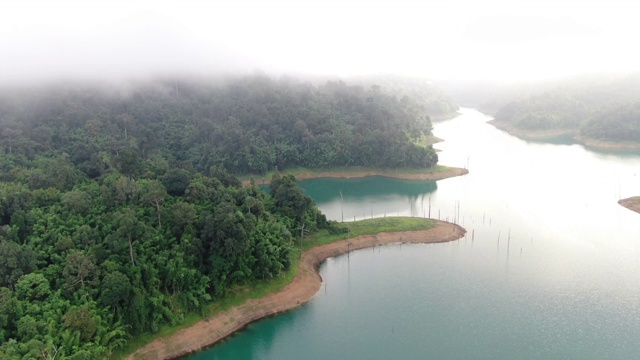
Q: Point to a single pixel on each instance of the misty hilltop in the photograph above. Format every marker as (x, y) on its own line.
(249, 124)
(598, 112)
(118, 212)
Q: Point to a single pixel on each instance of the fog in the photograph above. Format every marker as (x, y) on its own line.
(471, 40)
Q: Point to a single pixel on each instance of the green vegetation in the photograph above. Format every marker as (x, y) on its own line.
(245, 125)
(368, 226)
(543, 112)
(600, 110)
(83, 270)
(120, 220)
(436, 103)
(235, 296)
(301, 172)
(239, 294)
(615, 121)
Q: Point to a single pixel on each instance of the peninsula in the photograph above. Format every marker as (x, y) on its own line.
(302, 289)
(439, 172)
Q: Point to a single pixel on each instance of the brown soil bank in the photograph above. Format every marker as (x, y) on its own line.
(303, 287)
(632, 203)
(354, 174)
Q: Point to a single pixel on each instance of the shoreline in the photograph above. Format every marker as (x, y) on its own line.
(542, 135)
(302, 289)
(532, 134)
(449, 172)
(632, 203)
(606, 145)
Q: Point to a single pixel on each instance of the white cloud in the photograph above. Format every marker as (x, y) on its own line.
(476, 39)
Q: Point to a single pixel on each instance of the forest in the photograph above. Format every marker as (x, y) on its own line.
(246, 125)
(119, 210)
(607, 110)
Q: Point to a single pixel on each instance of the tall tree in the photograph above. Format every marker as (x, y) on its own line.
(129, 228)
(154, 193)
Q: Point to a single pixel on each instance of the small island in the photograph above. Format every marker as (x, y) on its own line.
(302, 288)
(632, 203)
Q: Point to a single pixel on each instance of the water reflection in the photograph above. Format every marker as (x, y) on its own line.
(257, 338)
(376, 196)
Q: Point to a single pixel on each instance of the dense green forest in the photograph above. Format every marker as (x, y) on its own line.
(607, 110)
(118, 212)
(84, 268)
(246, 125)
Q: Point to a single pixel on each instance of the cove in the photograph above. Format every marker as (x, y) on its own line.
(549, 268)
(374, 196)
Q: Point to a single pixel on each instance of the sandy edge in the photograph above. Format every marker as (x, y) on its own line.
(530, 134)
(307, 175)
(302, 289)
(632, 203)
(606, 145)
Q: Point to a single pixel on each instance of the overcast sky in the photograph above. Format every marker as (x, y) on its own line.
(502, 39)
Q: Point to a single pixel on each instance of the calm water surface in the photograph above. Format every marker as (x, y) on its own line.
(549, 269)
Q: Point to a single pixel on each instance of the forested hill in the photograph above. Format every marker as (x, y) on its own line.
(435, 102)
(118, 213)
(246, 125)
(600, 110)
(88, 264)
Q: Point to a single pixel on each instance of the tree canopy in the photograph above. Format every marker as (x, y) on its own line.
(83, 270)
(119, 211)
(246, 125)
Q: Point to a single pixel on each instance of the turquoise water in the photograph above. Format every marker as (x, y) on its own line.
(376, 196)
(549, 269)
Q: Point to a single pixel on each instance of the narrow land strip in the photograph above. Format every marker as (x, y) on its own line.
(542, 135)
(302, 289)
(532, 134)
(632, 203)
(354, 173)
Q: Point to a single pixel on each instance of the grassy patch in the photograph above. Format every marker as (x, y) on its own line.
(240, 294)
(369, 226)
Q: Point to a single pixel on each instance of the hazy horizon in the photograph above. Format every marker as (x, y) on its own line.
(462, 40)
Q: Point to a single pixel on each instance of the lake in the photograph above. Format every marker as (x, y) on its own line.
(549, 268)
